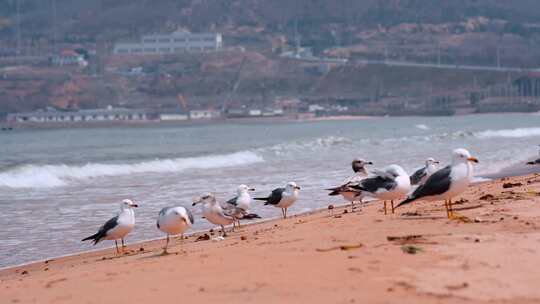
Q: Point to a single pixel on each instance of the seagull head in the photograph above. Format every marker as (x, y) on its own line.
(244, 189)
(292, 186)
(431, 161)
(462, 156)
(205, 198)
(127, 203)
(358, 164)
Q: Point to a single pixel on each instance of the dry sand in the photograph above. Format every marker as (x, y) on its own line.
(491, 255)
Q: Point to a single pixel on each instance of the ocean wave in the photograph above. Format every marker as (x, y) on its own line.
(47, 176)
(510, 133)
(422, 127)
(303, 145)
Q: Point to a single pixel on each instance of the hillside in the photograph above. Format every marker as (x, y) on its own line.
(486, 32)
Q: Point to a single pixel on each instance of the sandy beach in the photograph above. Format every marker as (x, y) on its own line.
(489, 255)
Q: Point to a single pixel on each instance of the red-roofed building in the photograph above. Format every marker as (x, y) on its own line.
(69, 57)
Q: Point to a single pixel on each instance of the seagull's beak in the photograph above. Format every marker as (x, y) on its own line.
(369, 163)
(251, 189)
(297, 187)
(436, 162)
(184, 220)
(195, 203)
(134, 205)
(473, 159)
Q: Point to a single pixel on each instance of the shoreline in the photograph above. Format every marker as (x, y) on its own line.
(218, 121)
(511, 171)
(361, 256)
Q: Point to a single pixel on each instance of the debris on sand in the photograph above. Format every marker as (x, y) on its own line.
(341, 247)
(410, 249)
(487, 197)
(511, 185)
(204, 237)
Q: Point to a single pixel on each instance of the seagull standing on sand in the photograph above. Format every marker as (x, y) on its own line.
(360, 172)
(447, 182)
(390, 183)
(173, 221)
(213, 212)
(117, 227)
(282, 197)
(239, 205)
(421, 175)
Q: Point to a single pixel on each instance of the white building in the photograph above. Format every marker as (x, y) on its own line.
(173, 116)
(176, 42)
(109, 114)
(204, 114)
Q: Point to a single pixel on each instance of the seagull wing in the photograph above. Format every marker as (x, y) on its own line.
(418, 176)
(102, 232)
(232, 201)
(274, 198)
(436, 184)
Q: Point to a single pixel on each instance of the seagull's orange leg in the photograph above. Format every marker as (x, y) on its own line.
(392, 203)
(384, 207)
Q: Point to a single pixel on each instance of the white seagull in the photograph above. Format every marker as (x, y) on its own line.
(360, 172)
(448, 182)
(420, 176)
(213, 212)
(282, 197)
(390, 183)
(173, 221)
(117, 227)
(240, 204)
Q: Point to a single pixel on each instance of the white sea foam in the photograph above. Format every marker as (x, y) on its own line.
(422, 127)
(510, 133)
(46, 176)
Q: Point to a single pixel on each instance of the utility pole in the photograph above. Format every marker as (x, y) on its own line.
(498, 57)
(439, 54)
(54, 25)
(18, 7)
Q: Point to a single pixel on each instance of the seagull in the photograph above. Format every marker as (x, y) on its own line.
(420, 176)
(360, 172)
(117, 227)
(446, 183)
(390, 183)
(214, 213)
(239, 205)
(282, 197)
(174, 220)
(535, 162)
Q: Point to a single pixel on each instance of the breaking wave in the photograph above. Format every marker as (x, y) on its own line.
(47, 176)
(510, 133)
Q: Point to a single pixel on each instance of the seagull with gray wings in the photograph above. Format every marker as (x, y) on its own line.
(174, 221)
(420, 176)
(360, 172)
(117, 227)
(389, 184)
(282, 197)
(240, 204)
(446, 183)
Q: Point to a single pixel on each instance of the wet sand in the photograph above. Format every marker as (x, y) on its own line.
(491, 254)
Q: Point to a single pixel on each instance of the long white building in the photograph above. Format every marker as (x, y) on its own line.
(176, 42)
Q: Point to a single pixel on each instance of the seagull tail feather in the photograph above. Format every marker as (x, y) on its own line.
(260, 198)
(251, 216)
(94, 237)
(409, 200)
